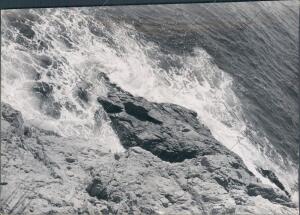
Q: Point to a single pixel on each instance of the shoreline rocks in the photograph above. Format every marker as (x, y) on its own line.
(172, 165)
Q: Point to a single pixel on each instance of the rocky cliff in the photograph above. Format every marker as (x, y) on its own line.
(172, 165)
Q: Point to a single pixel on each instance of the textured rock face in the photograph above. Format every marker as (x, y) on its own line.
(45, 173)
(11, 116)
(140, 183)
(272, 177)
(171, 132)
(174, 134)
(173, 165)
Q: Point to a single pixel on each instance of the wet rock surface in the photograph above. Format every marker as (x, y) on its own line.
(13, 117)
(172, 165)
(272, 177)
(44, 92)
(174, 134)
(171, 132)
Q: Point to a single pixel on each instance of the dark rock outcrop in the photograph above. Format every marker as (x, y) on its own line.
(171, 132)
(268, 193)
(273, 178)
(174, 134)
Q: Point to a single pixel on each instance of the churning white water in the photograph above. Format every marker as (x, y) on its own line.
(77, 53)
(74, 69)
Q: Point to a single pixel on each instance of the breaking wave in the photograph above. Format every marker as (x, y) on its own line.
(50, 65)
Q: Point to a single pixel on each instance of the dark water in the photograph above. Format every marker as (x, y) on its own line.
(256, 43)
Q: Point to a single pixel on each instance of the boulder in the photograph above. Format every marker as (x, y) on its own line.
(171, 132)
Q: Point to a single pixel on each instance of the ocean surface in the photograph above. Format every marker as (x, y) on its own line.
(235, 64)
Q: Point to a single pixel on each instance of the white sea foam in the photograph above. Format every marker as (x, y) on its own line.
(75, 67)
(199, 84)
